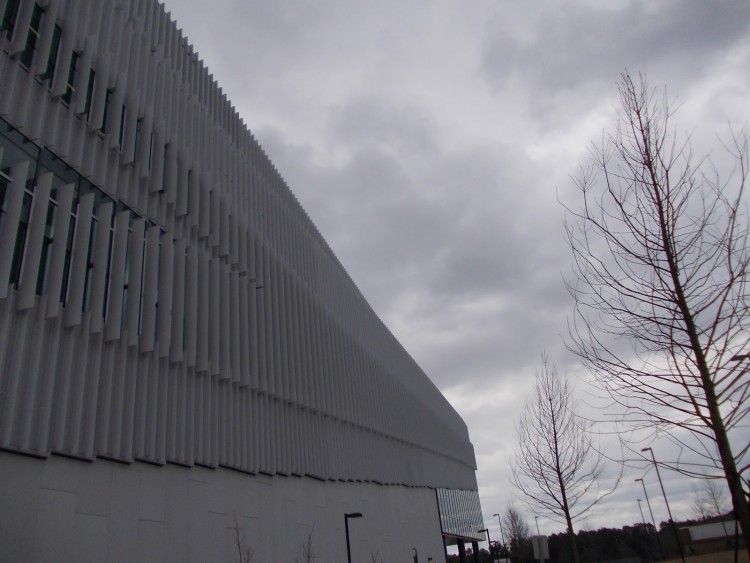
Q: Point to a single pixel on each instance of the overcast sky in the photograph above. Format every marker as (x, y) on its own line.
(431, 142)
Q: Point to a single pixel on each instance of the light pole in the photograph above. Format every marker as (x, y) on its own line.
(502, 534)
(346, 525)
(658, 540)
(671, 520)
(536, 519)
(641, 509)
(489, 542)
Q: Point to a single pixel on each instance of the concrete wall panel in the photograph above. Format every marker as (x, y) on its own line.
(145, 512)
(189, 311)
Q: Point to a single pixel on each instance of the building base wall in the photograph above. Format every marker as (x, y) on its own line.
(61, 509)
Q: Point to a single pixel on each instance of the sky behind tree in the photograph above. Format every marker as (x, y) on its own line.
(432, 145)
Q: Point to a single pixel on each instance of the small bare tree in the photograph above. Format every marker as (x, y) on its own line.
(308, 552)
(245, 554)
(518, 533)
(709, 500)
(661, 287)
(557, 466)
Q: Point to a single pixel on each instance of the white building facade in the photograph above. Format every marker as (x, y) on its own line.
(185, 365)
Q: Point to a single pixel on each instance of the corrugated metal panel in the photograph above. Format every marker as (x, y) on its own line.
(232, 335)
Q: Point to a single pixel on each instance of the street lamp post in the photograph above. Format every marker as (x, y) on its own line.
(346, 525)
(502, 534)
(658, 540)
(536, 519)
(489, 542)
(640, 508)
(671, 520)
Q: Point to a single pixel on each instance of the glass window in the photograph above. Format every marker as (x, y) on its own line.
(17, 148)
(68, 258)
(126, 275)
(14, 148)
(49, 229)
(150, 150)
(89, 92)
(62, 172)
(70, 88)
(123, 115)
(32, 38)
(109, 266)
(4, 181)
(107, 108)
(9, 18)
(138, 133)
(85, 187)
(89, 264)
(23, 227)
(49, 72)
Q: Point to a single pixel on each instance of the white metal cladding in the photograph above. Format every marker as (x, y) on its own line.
(163, 295)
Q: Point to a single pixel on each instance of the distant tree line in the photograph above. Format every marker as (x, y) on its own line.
(638, 542)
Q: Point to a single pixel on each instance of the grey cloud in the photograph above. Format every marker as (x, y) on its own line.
(368, 121)
(582, 49)
(458, 232)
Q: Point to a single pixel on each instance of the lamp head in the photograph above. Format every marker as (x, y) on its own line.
(353, 515)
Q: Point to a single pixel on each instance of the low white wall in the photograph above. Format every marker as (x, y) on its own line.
(711, 531)
(60, 509)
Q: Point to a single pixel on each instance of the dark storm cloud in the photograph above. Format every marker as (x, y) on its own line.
(449, 251)
(561, 47)
(246, 29)
(498, 343)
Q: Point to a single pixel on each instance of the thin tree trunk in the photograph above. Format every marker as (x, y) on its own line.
(565, 507)
(734, 481)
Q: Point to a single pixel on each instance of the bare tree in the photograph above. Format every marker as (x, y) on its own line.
(244, 554)
(709, 500)
(307, 549)
(518, 533)
(557, 465)
(661, 276)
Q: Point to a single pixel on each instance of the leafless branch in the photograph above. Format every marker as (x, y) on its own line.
(660, 281)
(557, 465)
